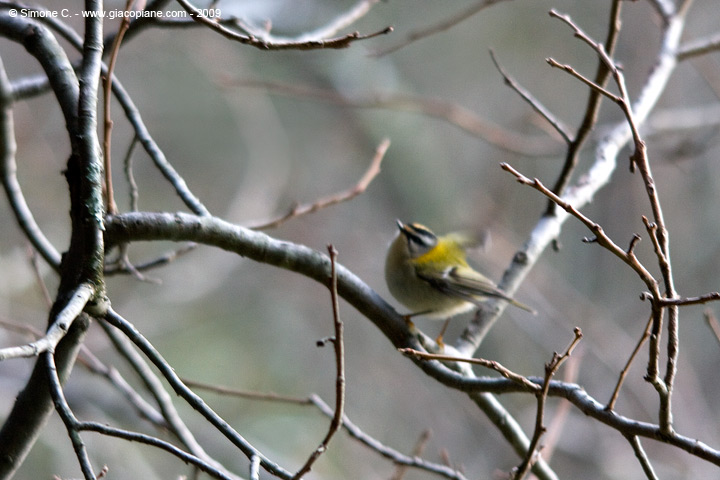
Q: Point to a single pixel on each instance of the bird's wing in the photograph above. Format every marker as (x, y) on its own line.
(466, 283)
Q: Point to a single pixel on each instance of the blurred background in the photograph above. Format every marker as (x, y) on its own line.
(250, 152)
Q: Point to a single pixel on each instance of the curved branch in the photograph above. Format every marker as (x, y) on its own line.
(8, 171)
(313, 264)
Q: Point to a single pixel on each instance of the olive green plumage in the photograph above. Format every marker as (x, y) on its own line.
(430, 274)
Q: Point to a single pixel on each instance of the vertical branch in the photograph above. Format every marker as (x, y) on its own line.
(83, 261)
(550, 369)
(107, 85)
(591, 110)
(339, 347)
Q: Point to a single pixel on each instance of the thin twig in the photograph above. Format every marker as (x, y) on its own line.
(453, 113)
(590, 83)
(344, 20)
(436, 28)
(600, 237)
(550, 369)
(417, 451)
(353, 430)
(555, 429)
(623, 373)
(712, 322)
(32, 253)
(120, 267)
(129, 176)
(602, 75)
(559, 127)
(190, 397)
(339, 346)
(343, 41)
(396, 457)
(700, 46)
(683, 301)
(491, 364)
(658, 233)
(108, 123)
(263, 396)
(360, 187)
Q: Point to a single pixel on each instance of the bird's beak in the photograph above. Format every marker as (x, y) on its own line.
(400, 225)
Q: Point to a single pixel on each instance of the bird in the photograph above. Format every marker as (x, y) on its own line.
(430, 275)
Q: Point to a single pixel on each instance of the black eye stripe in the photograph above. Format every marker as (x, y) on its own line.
(420, 235)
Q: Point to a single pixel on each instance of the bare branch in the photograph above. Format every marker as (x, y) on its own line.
(600, 237)
(559, 127)
(712, 323)
(491, 364)
(623, 373)
(700, 46)
(417, 451)
(68, 418)
(642, 457)
(8, 172)
(592, 108)
(453, 113)
(359, 188)
(550, 369)
(344, 20)
(446, 24)
(334, 43)
(339, 346)
(58, 328)
(190, 397)
(108, 123)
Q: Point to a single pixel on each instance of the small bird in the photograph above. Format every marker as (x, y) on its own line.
(430, 274)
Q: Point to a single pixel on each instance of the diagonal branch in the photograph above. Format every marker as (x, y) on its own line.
(359, 188)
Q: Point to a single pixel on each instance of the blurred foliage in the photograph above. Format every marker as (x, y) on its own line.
(250, 154)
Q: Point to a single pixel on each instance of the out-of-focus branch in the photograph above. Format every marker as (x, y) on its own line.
(559, 127)
(453, 113)
(359, 188)
(344, 20)
(190, 397)
(353, 430)
(642, 457)
(343, 41)
(697, 47)
(436, 28)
